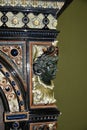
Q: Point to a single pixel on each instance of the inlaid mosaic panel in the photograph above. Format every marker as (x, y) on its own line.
(14, 51)
(13, 62)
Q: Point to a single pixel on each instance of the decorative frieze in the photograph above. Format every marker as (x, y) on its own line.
(33, 3)
(29, 20)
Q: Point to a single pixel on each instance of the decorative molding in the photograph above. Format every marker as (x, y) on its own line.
(29, 20)
(33, 3)
(28, 34)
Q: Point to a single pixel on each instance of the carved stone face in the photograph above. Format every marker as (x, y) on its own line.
(45, 66)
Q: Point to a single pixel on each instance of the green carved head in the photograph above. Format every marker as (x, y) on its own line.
(45, 66)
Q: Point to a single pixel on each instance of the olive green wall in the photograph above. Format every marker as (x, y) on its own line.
(71, 81)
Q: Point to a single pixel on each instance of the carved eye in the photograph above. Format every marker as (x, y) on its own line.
(36, 69)
(39, 72)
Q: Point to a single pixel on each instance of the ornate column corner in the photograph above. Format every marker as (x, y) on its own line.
(28, 63)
